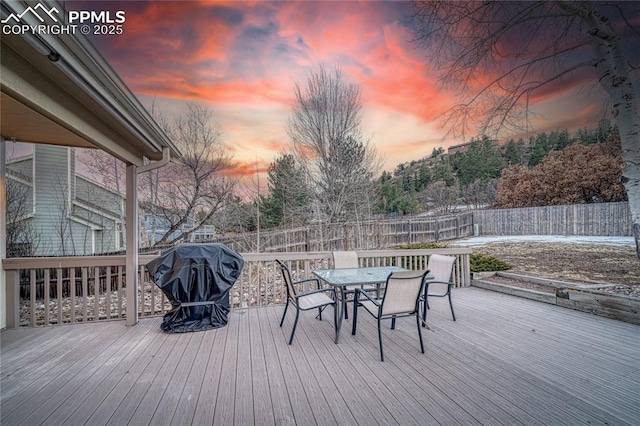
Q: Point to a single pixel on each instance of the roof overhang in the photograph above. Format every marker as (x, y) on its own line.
(58, 89)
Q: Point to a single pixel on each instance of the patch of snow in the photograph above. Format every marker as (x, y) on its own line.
(567, 239)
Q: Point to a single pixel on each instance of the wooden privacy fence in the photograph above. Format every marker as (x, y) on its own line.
(365, 235)
(47, 291)
(606, 219)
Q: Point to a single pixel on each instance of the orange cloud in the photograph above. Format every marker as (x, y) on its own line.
(274, 145)
(243, 60)
(241, 169)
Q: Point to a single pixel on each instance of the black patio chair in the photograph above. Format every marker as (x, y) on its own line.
(441, 269)
(401, 299)
(308, 300)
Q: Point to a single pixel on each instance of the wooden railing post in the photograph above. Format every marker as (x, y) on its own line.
(13, 299)
(467, 269)
(132, 244)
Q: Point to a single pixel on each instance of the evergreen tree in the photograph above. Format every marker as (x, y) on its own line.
(512, 153)
(539, 147)
(444, 172)
(559, 139)
(407, 183)
(289, 194)
(481, 162)
(437, 152)
(424, 177)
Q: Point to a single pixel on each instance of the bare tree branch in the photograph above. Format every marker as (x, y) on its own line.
(191, 189)
(497, 55)
(22, 239)
(324, 129)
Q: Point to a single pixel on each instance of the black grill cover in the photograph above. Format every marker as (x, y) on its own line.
(196, 278)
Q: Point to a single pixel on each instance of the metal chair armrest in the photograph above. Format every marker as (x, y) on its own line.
(426, 288)
(317, 281)
(363, 292)
(320, 290)
(308, 280)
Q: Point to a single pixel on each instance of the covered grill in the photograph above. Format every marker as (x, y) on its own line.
(196, 278)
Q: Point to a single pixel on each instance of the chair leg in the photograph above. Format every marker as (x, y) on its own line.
(355, 315)
(319, 316)
(344, 309)
(380, 339)
(424, 312)
(451, 305)
(335, 320)
(285, 312)
(419, 332)
(295, 323)
(393, 323)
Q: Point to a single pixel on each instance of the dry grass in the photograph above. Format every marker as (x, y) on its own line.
(599, 263)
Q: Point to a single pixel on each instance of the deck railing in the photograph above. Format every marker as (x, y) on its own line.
(48, 291)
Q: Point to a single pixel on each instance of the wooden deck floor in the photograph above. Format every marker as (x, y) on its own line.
(506, 361)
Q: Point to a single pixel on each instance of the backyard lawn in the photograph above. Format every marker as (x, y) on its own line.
(591, 262)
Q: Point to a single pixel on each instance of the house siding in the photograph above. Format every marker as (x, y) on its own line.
(71, 214)
(93, 193)
(22, 166)
(51, 194)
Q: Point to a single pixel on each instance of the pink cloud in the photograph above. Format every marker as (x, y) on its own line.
(240, 169)
(243, 60)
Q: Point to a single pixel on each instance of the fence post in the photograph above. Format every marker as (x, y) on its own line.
(410, 231)
(306, 239)
(345, 234)
(437, 233)
(457, 226)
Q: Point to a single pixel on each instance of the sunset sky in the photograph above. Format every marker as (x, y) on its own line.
(242, 60)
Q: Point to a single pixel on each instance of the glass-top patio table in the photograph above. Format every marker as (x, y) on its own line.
(346, 277)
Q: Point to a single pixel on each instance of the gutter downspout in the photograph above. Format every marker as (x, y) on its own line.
(166, 158)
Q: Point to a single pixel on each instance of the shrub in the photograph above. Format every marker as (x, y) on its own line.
(422, 246)
(483, 263)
